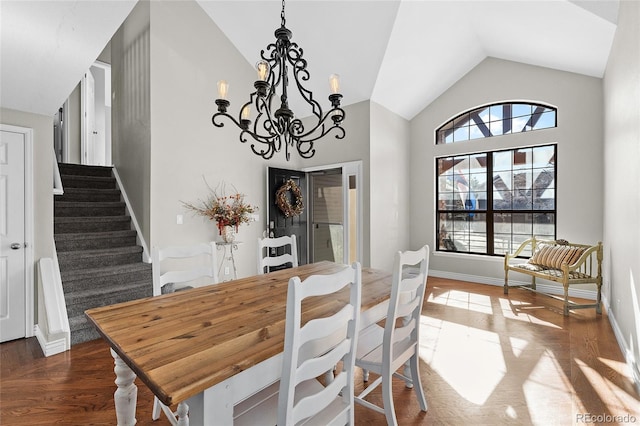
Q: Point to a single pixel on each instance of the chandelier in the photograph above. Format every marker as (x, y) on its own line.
(271, 129)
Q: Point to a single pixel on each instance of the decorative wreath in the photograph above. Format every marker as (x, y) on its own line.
(282, 201)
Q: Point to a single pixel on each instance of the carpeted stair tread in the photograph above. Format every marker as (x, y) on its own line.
(89, 194)
(79, 301)
(105, 271)
(84, 209)
(98, 182)
(92, 293)
(102, 277)
(74, 224)
(94, 235)
(88, 259)
(94, 240)
(84, 170)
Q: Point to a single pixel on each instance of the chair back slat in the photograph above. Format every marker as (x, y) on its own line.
(407, 297)
(286, 252)
(188, 263)
(300, 344)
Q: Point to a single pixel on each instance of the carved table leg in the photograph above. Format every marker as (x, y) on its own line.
(183, 414)
(126, 396)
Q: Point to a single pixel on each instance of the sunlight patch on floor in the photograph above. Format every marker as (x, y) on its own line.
(547, 384)
(456, 362)
(610, 393)
(463, 299)
(523, 311)
(619, 367)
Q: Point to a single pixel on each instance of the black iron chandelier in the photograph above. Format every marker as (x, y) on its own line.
(273, 129)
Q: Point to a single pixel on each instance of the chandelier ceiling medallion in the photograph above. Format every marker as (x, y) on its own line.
(272, 129)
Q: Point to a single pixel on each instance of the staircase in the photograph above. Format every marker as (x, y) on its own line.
(100, 262)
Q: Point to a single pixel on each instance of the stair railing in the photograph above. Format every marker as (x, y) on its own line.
(57, 180)
(52, 331)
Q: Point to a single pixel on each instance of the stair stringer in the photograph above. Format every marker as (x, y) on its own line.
(146, 257)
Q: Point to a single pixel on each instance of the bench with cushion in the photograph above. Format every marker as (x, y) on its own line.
(560, 261)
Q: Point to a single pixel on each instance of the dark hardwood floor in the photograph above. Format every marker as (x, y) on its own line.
(487, 359)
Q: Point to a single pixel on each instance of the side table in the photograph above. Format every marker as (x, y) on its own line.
(227, 263)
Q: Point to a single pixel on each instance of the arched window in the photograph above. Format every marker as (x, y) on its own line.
(495, 120)
(488, 202)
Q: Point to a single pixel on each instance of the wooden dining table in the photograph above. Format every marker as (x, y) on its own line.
(211, 347)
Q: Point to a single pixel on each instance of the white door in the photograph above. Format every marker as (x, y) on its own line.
(12, 233)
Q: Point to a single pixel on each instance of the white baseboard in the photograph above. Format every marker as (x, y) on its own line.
(632, 363)
(52, 347)
(541, 286)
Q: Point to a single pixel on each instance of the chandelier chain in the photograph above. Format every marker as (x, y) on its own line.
(284, 21)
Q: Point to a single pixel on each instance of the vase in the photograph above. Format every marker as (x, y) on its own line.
(228, 234)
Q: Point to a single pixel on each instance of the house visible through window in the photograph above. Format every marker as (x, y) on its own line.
(488, 203)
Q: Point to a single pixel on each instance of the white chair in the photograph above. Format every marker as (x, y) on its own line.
(195, 262)
(310, 351)
(274, 246)
(384, 350)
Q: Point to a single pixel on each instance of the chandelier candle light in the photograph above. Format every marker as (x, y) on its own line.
(272, 129)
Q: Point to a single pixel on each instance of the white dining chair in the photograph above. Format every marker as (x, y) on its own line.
(188, 264)
(384, 350)
(309, 351)
(279, 251)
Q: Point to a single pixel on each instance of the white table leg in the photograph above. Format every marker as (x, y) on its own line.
(126, 396)
(183, 414)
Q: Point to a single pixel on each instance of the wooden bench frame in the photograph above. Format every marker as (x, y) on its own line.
(586, 270)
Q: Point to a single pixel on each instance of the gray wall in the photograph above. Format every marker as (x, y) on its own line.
(389, 179)
(131, 128)
(622, 180)
(579, 136)
(74, 123)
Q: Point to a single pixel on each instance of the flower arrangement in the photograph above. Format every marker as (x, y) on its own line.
(226, 210)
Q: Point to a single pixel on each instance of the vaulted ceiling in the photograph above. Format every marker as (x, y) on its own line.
(401, 54)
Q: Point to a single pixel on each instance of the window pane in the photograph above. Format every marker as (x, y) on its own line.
(475, 132)
(543, 225)
(544, 156)
(502, 200)
(502, 161)
(496, 128)
(461, 134)
(495, 112)
(546, 120)
(461, 128)
(522, 110)
(502, 223)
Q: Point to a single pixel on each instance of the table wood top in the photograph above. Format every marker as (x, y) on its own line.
(182, 343)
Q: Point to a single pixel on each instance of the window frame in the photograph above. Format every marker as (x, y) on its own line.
(485, 127)
(489, 211)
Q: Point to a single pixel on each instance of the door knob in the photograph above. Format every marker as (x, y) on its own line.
(15, 246)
